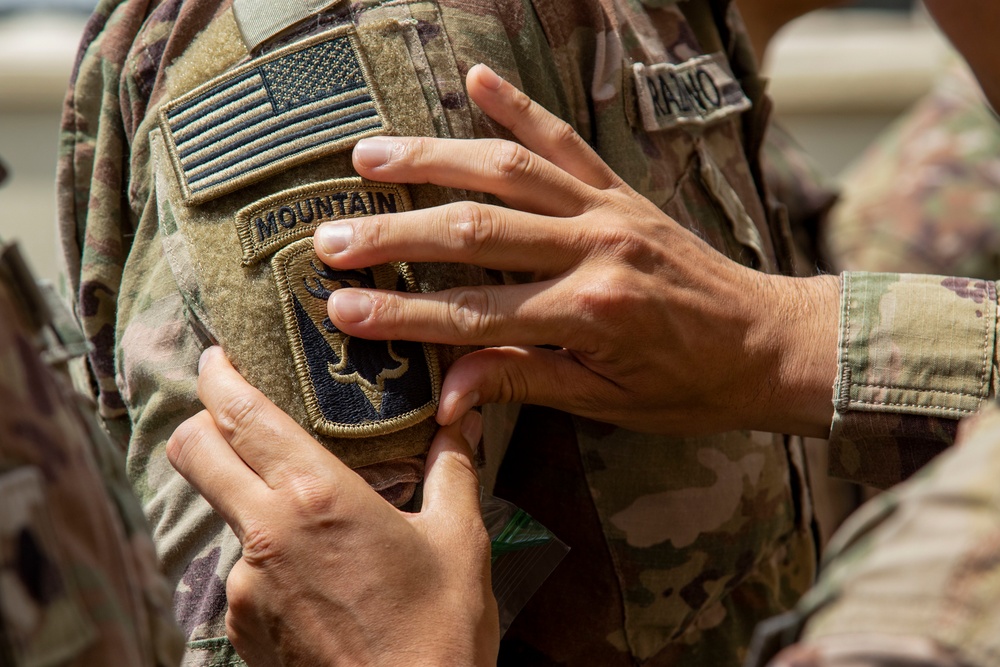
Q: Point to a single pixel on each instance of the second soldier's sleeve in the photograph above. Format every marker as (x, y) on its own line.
(917, 353)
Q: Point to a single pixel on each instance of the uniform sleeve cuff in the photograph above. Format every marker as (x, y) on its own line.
(916, 354)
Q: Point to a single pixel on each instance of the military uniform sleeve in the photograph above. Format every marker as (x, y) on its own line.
(917, 353)
(221, 163)
(911, 579)
(79, 580)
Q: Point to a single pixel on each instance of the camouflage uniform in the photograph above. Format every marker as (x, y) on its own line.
(79, 580)
(681, 545)
(800, 192)
(911, 579)
(925, 197)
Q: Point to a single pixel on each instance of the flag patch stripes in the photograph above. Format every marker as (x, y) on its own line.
(297, 104)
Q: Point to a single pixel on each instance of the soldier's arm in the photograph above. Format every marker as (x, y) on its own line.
(331, 573)
(657, 331)
(911, 579)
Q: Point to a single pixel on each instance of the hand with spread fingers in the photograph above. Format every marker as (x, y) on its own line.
(331, 573)
(653, 329)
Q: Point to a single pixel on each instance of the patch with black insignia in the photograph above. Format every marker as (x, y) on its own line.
(294, 105)
(352, 387)
(699, 91)
(267, 225)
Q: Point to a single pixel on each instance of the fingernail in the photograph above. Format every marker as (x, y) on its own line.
(351, 306)
(489, 78)
(373, 153)
(205, 355)
(472, 428)
(332, 239)
(464, 404)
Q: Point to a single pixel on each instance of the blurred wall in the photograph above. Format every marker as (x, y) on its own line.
(36, 56)
(839, 78)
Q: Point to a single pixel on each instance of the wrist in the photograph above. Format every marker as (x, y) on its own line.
(794, 341)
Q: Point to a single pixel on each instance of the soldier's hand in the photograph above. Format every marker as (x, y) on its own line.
(653, 329)
(331, 573)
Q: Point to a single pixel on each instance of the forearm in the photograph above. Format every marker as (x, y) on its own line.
(911, 579)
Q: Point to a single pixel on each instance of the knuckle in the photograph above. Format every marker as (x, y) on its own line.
(414, 150)
(511, 161)
(469, 311)
(471, 226)
(261, 549)
(521, 104)
(237, 413)
(310, 496)
(604, 300)
(626, 245)
(373, 233)
(239, 592)
(511, 386)
(564, 136)
(388, 310)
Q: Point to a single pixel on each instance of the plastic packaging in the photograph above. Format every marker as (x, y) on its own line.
(524, 554)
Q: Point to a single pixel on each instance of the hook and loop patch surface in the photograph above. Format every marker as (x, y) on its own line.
(272, 113)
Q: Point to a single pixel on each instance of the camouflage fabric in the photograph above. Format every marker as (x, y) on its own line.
(925, 197)
(917, 353)
(912, 578)
(79, 580)
(694, 540)
(802, 194)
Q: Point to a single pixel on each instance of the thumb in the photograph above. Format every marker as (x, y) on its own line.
(451, 483)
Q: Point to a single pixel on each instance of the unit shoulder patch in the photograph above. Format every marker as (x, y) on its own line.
(699, 91)
(307, 100)
(352, 387)
(266, 226)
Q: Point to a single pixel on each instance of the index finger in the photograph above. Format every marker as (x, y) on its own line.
(202, 456)
(506, 169)
(539, 130)
(269, 441)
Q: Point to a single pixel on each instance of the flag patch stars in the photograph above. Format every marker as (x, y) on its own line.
(289, 107)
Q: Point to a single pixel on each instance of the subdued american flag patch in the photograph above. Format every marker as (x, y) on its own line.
(294, 105)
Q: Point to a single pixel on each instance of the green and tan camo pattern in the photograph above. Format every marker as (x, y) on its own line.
(689, 541)
(925, 197)
(79, 581)
(917, 353)
(913, 578)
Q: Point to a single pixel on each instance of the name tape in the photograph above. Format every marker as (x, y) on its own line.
(699, 91)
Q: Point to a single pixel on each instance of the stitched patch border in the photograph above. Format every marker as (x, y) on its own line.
(284, 265)
(699, 91)
(260, 118)
(266, 226)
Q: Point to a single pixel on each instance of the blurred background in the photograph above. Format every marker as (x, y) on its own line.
(839, 77)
